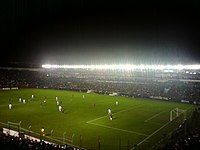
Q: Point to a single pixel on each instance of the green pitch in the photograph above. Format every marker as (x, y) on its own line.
(85, 122)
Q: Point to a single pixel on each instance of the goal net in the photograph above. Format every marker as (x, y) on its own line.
(176, 112)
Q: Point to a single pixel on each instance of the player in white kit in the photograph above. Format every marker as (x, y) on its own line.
(110, 114)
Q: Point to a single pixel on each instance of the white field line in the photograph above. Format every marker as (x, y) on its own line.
(151, 134)
(128, 131)
(155, 132)
(97, 119)
(153, 116)
(113, 114)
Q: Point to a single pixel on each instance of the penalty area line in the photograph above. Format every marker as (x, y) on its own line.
(153, 116)
(151, 135)
(96, 119)
(113, 114)
(113, 128)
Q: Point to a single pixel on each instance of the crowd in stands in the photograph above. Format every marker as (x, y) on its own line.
(144, 86)
(8, 142)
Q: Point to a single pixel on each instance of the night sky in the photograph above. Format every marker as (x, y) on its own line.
(35, 32)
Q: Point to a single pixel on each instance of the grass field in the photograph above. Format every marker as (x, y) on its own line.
(85, 122)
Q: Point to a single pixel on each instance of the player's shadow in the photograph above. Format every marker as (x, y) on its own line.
(114, 118)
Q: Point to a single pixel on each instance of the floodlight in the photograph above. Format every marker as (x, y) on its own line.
(125, 67)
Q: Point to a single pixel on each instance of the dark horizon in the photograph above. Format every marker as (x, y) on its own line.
(87, 32)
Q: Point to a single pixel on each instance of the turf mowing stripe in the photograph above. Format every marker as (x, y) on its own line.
(152, 122)
(156, 131)
(113, 114)
(153, 116)
(128, 131)
(4, 105)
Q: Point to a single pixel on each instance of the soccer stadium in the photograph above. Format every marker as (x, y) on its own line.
(100, 107)
(99, 75)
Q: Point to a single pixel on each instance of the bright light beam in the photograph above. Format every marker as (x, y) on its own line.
(125, 67)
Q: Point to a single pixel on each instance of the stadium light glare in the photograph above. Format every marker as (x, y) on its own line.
(179, 67)
(125, 67)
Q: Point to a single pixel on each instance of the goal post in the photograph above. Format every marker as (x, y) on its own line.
(176, 112)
